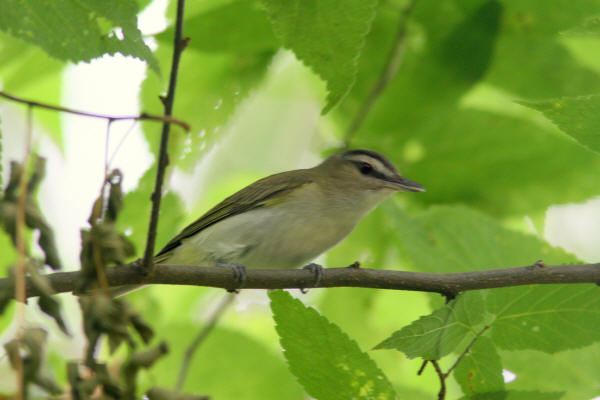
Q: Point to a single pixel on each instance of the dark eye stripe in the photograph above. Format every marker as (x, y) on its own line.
(373, 172)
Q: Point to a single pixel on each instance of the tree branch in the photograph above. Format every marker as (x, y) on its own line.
(142, 116)
(179, 44)
(445, 284)
(390, 68)
(440, 374)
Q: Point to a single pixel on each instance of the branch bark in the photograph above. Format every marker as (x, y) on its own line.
(446, 284)
(141, 117)
(179, 44)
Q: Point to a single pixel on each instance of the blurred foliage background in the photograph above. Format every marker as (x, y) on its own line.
(493, 108)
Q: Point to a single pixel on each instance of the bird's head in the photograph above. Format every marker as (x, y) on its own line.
(365, 170)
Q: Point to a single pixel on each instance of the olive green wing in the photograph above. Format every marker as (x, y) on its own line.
(265, 191)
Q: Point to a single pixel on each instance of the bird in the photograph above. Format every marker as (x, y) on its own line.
(288, 219)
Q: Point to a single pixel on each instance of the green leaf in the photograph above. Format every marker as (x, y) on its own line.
(1, 163)
(206, 97)
(9, 255)
(212, 31)
(7, 315)
(433, 336)
(26, 71)
(439, 66)
(452, 148)
(452, 239)
(325, 360)
(574, 371)
(520, 155)
(578, 117)
(515, 395)
(553, 71)
(590, 26)
(228, 365)
(73, 30)
(529, 43)
(546, 318)
(480, 370)
(327, 35)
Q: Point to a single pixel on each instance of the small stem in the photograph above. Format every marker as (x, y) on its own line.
(97, 215)
(390, 68)
(422, 367)
(163, 159)
(442, 376)
(202, 335)
(20, 279)
(142, 116)
(466, 350)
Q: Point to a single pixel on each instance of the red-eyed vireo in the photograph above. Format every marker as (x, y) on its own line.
(288, 219)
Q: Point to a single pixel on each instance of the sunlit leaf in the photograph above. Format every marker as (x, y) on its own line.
(94, 28)
(325, 360)
(326, 35)
(576, 116)
(239, 26)
(516, 395)
(213, 78)
(27, 72)
(572, 372)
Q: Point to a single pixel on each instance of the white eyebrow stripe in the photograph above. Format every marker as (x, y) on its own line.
(377, 165)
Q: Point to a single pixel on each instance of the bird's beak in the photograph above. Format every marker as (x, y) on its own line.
(401, 183)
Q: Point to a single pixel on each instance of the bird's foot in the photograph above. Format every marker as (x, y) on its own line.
(239, 275)
(317, 270)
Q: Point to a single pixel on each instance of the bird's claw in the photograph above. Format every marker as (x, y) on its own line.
(239, 275)
(317, 270)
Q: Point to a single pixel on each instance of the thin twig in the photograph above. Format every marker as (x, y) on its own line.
(143, 116)
(422, 367)
(390, 68)
(179, 44)
(199, 339)
(97, 215)
(444, 375)
(332, 277)
(438, 370)
(116, 150)
(466, 350)
(20, 278)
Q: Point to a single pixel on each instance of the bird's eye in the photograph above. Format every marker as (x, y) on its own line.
(365, 168)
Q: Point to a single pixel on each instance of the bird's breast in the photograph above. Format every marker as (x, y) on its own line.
(285, 234)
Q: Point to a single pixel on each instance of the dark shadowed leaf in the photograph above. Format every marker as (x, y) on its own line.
(480, 370)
